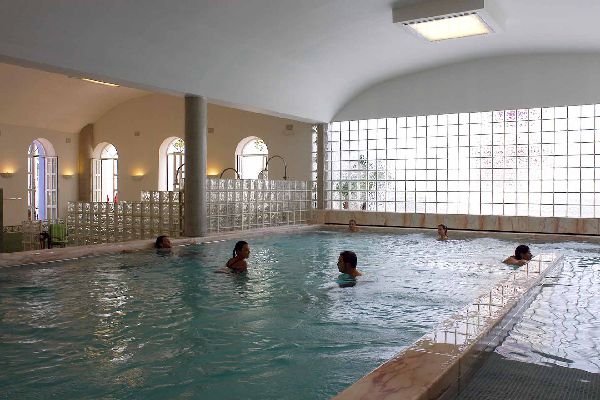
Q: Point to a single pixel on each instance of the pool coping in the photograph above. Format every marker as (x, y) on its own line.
(33, 257)
(439, 363)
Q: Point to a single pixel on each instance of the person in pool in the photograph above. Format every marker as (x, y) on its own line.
(237, 263)
(162, 242)
(347, 266)
(521, 257)
(442, 231)
(352, 225)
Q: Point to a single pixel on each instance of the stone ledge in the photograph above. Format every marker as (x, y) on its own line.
(437, 365)
(494, 223)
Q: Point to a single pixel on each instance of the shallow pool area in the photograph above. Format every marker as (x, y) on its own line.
(164, 325)
(553, 352)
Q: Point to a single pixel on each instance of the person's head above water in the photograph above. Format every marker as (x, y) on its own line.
(522, 252)
(162, 242)
(347, 262)
(442, 231)
(241, 250)
(352, 225)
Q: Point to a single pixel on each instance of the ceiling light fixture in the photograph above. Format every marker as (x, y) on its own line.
(100, 82)
(437, 20)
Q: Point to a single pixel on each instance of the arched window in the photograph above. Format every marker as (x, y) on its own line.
(42, 183)
(251, 157)
(105, 173)
(171, 164)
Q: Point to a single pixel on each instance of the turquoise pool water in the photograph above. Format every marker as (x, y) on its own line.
(158, 326)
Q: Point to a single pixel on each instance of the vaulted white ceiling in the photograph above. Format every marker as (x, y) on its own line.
(39, 99)
(299, 58)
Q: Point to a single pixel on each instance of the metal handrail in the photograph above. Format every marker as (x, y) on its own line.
(230, 168)
(267, 166)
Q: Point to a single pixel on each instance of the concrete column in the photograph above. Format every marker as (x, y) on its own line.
(84, 162)
(321, 146)
(194, 214)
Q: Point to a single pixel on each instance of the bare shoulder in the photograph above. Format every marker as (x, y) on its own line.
(510, 261)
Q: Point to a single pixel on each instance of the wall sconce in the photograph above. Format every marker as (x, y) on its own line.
(67, 176)
(137, 177)
(7, 174)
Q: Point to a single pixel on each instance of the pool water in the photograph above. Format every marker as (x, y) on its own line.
(164, 325)
(553, 352)
(562, 325)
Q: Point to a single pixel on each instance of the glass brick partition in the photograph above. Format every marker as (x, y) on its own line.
(231, 205)
(532, 162)
(236, 204)
(159, 213)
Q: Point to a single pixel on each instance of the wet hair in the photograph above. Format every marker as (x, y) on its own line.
(352, 220)
(159, 241)
(349, 257)
(238, 247)
(520, 251)
(444, 227)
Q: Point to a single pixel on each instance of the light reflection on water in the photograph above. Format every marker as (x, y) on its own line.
(165, 326)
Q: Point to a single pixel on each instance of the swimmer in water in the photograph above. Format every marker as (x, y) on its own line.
(162, 242)
(347, 266)
(442, 231)
(521, 257)
(352, 225)
(237, 263)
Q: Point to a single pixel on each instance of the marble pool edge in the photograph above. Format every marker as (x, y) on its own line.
(437, 365)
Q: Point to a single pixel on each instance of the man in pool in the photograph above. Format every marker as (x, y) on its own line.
(352, 225)
(347, 266)
(521, 257)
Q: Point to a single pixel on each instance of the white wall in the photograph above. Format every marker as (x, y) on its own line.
(495, 83)
(157, 117)
(14, 143)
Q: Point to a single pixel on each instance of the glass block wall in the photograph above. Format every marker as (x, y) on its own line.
(232, 204)
(534, 162)
(237, 204)
(159, 213)
(313, 169)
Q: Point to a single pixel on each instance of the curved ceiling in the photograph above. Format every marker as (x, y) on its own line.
(297, 58)
(40, 99)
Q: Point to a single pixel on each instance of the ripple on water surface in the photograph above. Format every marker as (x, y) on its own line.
(149, 325)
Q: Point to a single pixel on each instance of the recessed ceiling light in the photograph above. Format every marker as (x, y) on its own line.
(100, 82)
(438, 20)
(451, 27)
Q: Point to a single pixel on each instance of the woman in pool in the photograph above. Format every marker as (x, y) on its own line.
(521, 257)
(237, 263)
(352, 225)
(442, 232)
(347, 266)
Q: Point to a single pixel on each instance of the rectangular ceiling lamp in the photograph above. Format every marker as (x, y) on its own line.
(437, 20)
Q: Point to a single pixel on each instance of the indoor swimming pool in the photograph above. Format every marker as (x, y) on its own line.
(163, 325)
